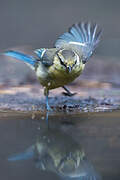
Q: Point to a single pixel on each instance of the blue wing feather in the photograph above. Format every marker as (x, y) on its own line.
(75, 34)
(67, 36)
(84, 33)
(89, 32)
(21, 56)
(80, 32)
(40, 52)
(94, 33)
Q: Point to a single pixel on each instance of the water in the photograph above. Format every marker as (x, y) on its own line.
(71, 146)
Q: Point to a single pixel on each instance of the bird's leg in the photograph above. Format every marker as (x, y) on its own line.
(46, 93)
(67, 93)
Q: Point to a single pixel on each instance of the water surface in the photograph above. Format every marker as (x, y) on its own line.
(77, 146)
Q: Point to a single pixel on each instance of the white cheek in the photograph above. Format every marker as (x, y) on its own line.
(78, 59)
(41, 71)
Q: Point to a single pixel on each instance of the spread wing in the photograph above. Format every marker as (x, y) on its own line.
(82, 37)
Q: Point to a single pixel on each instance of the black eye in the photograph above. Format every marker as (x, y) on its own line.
(61, 61)
(84, 61)
(75, 62)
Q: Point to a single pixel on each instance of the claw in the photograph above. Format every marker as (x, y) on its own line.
(68, 93)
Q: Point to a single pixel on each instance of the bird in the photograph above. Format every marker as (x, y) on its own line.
(60, 65)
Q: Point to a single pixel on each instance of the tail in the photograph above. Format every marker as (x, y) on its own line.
(28, 154)
(22, 57)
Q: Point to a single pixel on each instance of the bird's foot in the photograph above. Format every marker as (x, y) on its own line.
(68, 94)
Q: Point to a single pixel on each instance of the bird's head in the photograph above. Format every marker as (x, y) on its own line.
(68, 59)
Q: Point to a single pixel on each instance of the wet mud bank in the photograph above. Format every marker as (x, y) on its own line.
(101, 97)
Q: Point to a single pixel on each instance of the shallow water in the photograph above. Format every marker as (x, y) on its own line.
(78, 146)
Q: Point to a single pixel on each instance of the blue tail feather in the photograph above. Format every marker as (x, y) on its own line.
(28, 154)
(21, 56)
(22, 156)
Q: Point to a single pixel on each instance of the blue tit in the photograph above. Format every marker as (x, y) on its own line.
(58, 66)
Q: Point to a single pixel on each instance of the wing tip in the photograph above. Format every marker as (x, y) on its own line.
(90, 31)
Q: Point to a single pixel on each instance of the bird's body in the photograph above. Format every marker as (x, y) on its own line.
(55, 76)
(62, 64)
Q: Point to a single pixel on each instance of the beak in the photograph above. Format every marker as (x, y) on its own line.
(69, 69)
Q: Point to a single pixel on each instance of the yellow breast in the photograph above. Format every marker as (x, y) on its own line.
(56, 75)
(60, 77)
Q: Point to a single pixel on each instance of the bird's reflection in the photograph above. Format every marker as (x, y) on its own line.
(58, 152)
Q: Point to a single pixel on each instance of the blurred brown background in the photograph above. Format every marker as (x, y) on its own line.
(29, 24)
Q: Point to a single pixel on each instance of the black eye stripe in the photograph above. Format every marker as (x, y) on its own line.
(84, 59)
(61, 61)
(75, 62)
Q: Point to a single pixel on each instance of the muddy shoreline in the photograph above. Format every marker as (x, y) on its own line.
(96, 97)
